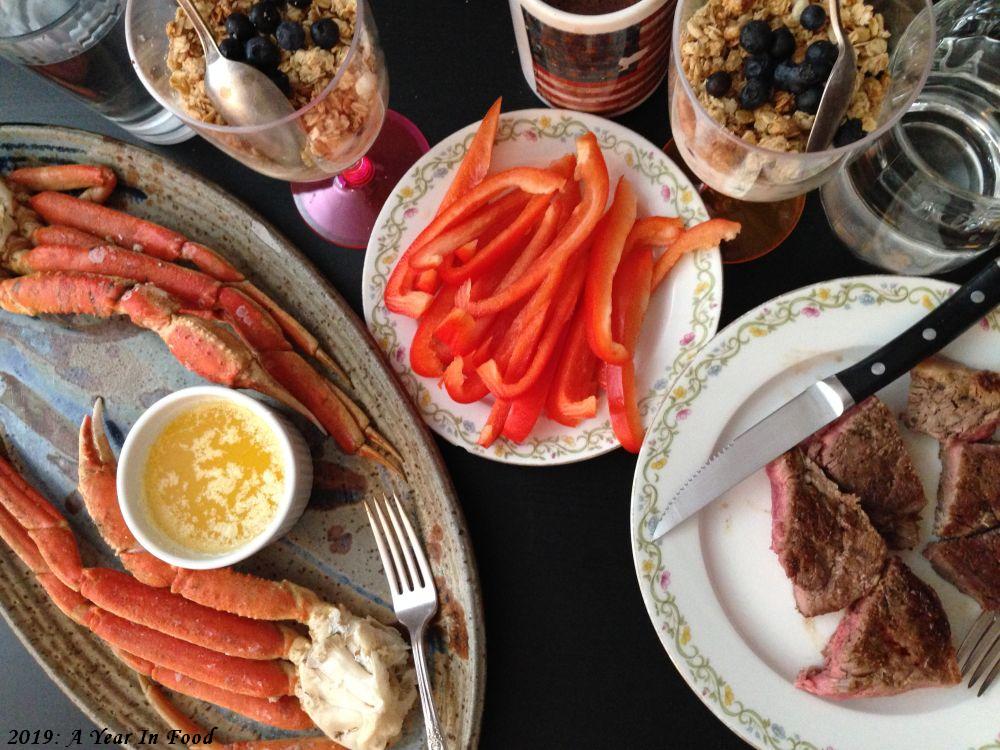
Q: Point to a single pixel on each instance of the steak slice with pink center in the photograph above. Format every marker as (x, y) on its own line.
(969, 492)
(971, 564)
(824, 541)
(863, 452)
(894, 639)
(949, 400)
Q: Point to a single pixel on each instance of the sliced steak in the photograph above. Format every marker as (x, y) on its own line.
(949, 400)
(824, 541)
(894, 639)
(969, 493)
(863, 452)
(971, 564)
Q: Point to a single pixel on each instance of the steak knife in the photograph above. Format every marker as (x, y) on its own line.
(827, 399)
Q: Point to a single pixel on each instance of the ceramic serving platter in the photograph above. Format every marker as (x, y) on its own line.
(683, 314)
(52, 368)
(715, 592)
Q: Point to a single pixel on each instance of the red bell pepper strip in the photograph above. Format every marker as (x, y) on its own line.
(427, 281)
(476, 163)
(591, 169)
(428, 357)
(702, 236)
(656, 231)
(407, 293)
(605, 255)
(632, 288)
(502, 246)
(459, 330)
(460, 378)
(529, 360)
(493, 215)
(525, 411)
(529, 179)
(573, 396)
(494, 423)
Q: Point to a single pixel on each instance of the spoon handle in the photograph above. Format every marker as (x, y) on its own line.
(201, 29)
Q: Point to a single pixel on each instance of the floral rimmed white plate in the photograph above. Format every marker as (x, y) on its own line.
(682, 316)
(720, 602)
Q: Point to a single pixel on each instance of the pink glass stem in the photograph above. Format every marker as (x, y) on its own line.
(358, 175)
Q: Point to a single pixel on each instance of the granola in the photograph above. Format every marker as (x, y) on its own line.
(336, 120)
(710, 43)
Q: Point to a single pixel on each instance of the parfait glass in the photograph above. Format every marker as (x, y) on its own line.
(348, 151)
(762, 188)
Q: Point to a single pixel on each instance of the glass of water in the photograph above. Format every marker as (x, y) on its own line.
(925, 198)
(80, 45)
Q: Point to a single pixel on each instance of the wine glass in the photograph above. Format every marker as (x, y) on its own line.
(764, 188)
(352, 150)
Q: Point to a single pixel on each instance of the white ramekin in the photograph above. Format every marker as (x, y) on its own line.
(298, 477)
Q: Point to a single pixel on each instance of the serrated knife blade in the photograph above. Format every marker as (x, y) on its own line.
(786, 427)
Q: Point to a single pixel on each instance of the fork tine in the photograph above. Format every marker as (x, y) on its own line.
(401, 571)
(390, 570)
(973, 638)
(406, 543)
(989, 678)
(990, 655)
(418, 549)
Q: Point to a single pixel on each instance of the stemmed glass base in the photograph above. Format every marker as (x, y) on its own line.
(765, 225)
(344, 208)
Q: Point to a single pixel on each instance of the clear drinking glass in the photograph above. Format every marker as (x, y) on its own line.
(763, 187)
(341, 176)
(925, 198)
(80, 45)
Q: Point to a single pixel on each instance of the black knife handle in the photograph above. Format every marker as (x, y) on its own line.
(947, 322)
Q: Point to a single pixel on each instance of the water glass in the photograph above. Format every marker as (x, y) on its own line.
(80, 45)
(925, 198)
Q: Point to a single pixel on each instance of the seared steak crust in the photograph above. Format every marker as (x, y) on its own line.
(971, 564)
(863, 452)
(949, 400)
(969, 492)
(894, 639)
(824, 541)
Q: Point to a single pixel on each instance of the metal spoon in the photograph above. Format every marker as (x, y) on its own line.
(245, 96)
(839, 87)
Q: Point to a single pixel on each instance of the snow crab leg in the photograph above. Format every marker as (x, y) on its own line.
(77, 244)
(157, 633)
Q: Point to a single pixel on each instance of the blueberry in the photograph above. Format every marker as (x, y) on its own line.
(808, 100)
(822, 53)
(300, 4)
(811, 74)
(782, 44)
(785, 73)
(754, 94)
(290, 36)
(262, 53)
(812, 17)
(759, 67)
(718, 84)
(265, 16)
(281, 81)
(239, 26)
(755, 37)
(325, 33)
(231, 49)
(849, 132)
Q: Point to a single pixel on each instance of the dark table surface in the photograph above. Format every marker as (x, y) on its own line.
(572, 659)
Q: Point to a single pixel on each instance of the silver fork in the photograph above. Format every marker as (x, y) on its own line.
(980, 651)
(414, 596)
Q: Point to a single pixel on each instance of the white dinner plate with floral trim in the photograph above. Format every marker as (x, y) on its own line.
(682, 316)
(715, 592)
